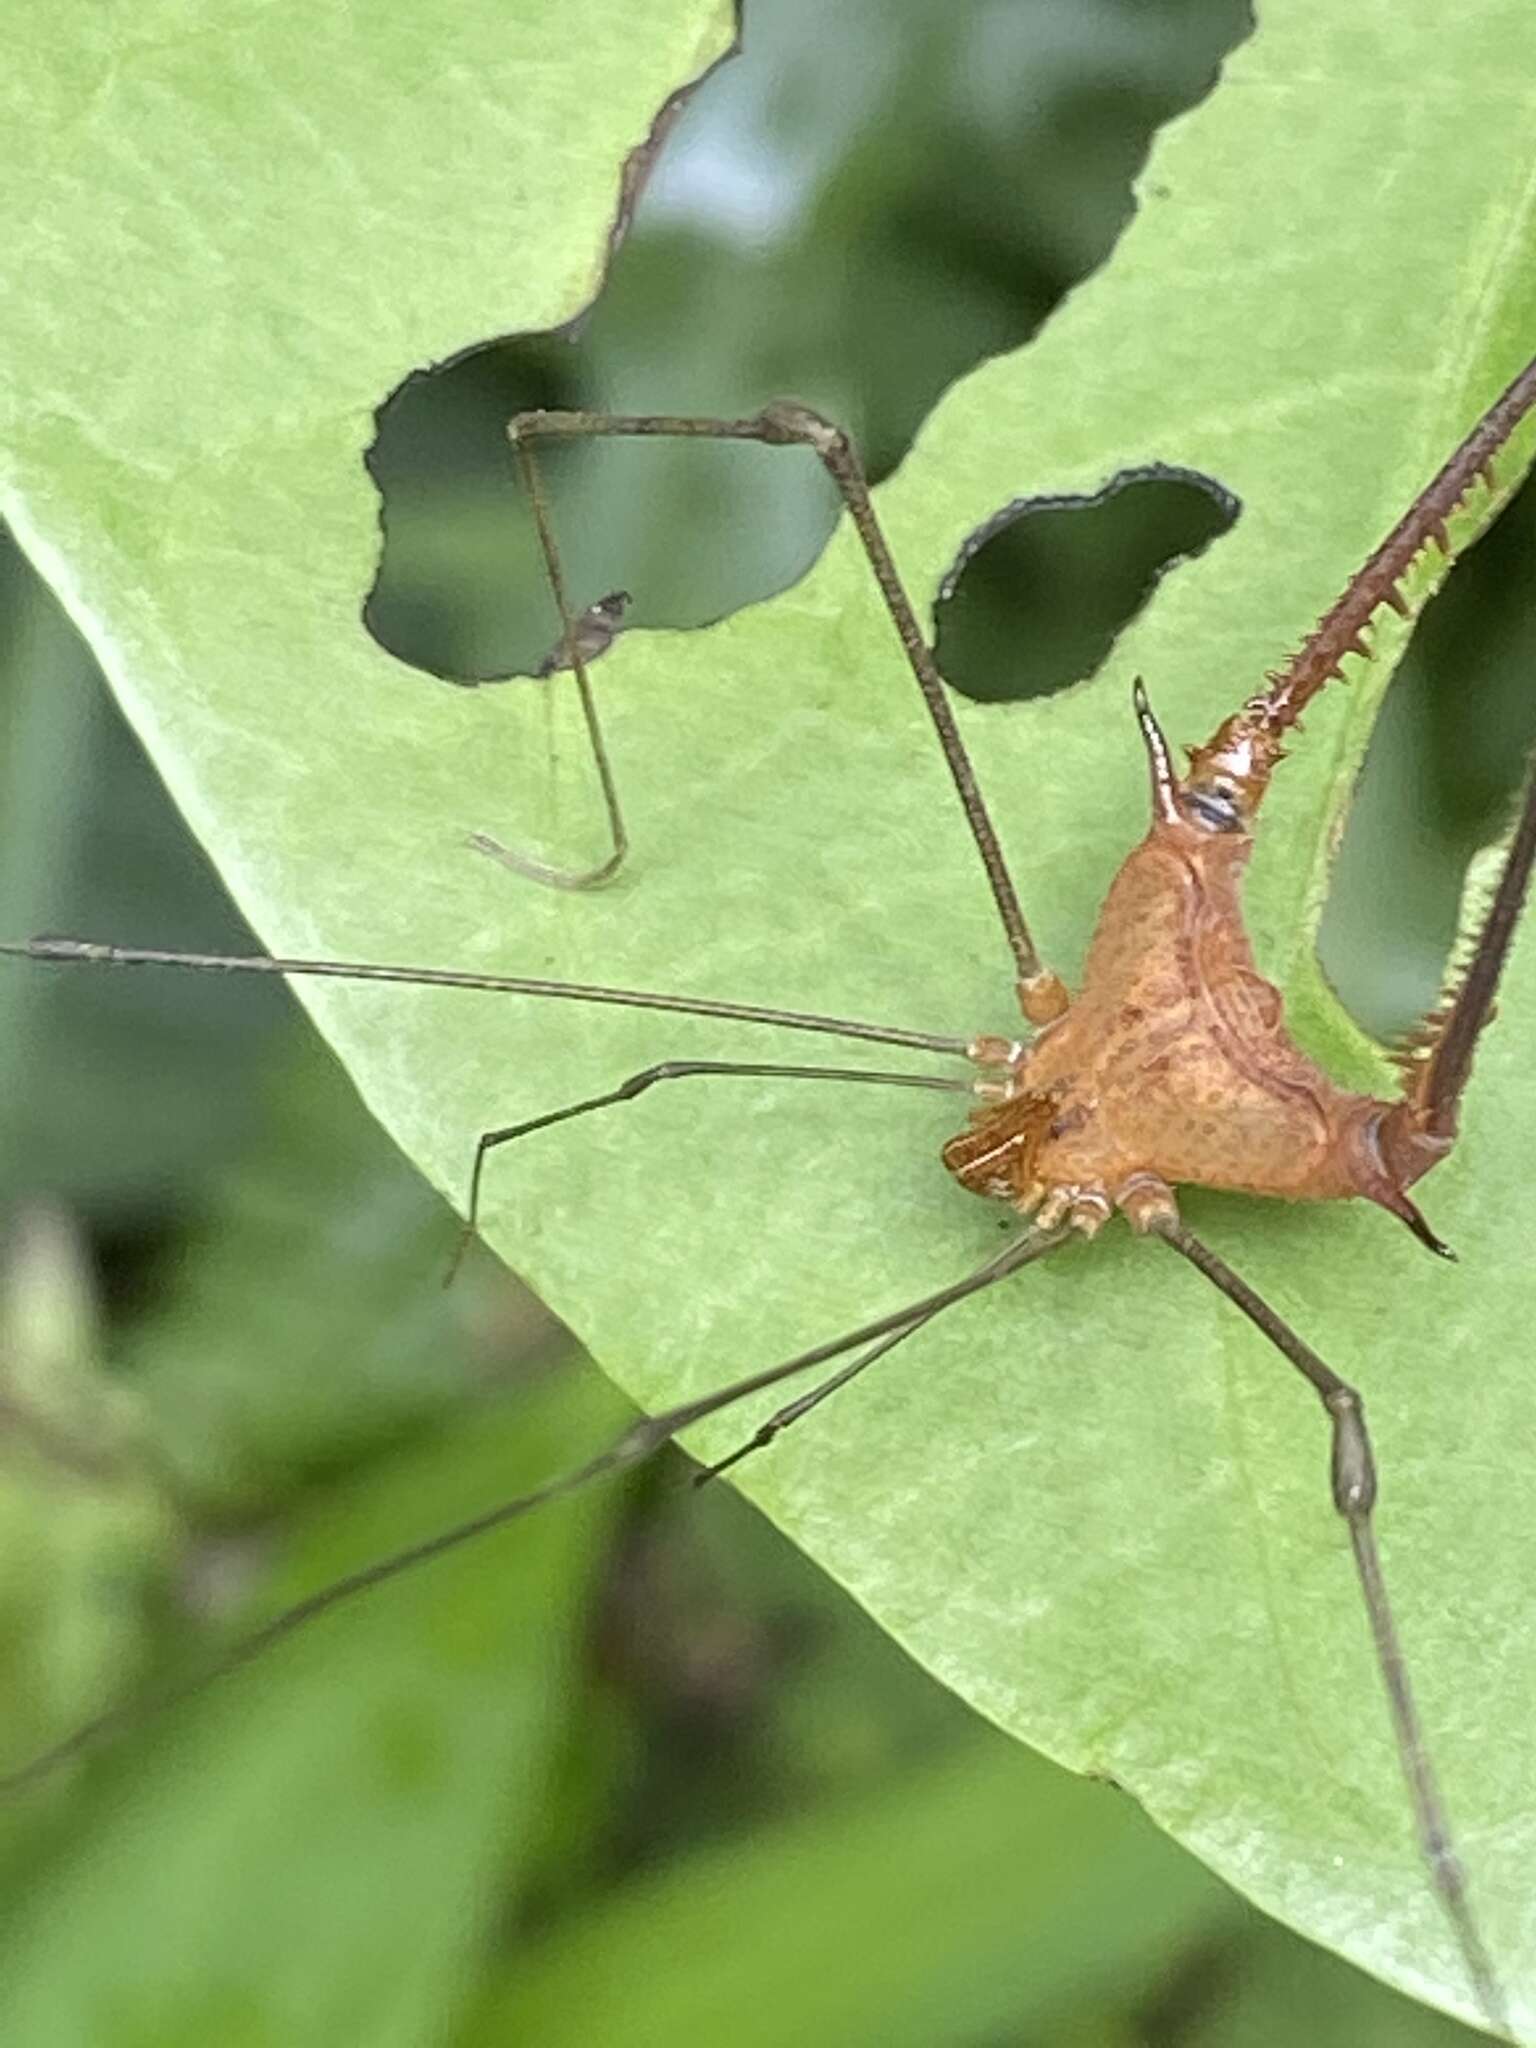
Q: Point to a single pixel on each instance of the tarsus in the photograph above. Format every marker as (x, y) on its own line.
(1354, 1495)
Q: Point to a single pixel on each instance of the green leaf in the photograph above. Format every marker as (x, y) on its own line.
(88, 1531)
(299, 1337)
(112, 1098)
(983, 1895)
(1091, 1502)
(1278, 1992)
(321, 1852)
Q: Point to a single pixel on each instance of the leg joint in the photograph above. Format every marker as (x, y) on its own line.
(786, 420)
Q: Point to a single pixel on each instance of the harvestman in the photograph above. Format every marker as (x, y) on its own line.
(1171, 1065)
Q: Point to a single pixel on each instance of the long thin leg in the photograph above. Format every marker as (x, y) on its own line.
(581, 640)
(1435, 1093)
(92, 953)
(1339, 631)
(786, 424)
(1241, 754)
(792, 1411)
(1354, 1495)
(576, 647)
(676, 1070)
(640, 1441)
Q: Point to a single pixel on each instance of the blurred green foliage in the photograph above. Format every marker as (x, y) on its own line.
(638, 1774)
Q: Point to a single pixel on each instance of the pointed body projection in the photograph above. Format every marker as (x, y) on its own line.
(1173, 1063)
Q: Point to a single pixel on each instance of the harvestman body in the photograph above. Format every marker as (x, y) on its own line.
(1171, 1065)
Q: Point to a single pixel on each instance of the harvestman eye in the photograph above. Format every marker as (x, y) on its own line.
(1214, 809)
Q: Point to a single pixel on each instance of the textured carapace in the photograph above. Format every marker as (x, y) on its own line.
(1173, 1064)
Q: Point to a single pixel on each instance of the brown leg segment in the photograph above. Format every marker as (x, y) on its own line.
(1354, 1495)
(1415, 1134)
(1338, 632)
(1042, 994)
(96, 953)
(640, 1441)
(671, 1070)
(574, 648)
(792, 1411)
(1241, 754)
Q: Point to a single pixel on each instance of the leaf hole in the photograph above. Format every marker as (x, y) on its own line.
(1439, 781)
(1039, 595)
(855, 210)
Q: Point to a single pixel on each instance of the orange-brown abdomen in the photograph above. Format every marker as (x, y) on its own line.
(1173, 1064)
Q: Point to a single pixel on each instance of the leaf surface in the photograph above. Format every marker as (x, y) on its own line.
(1091, 1502)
